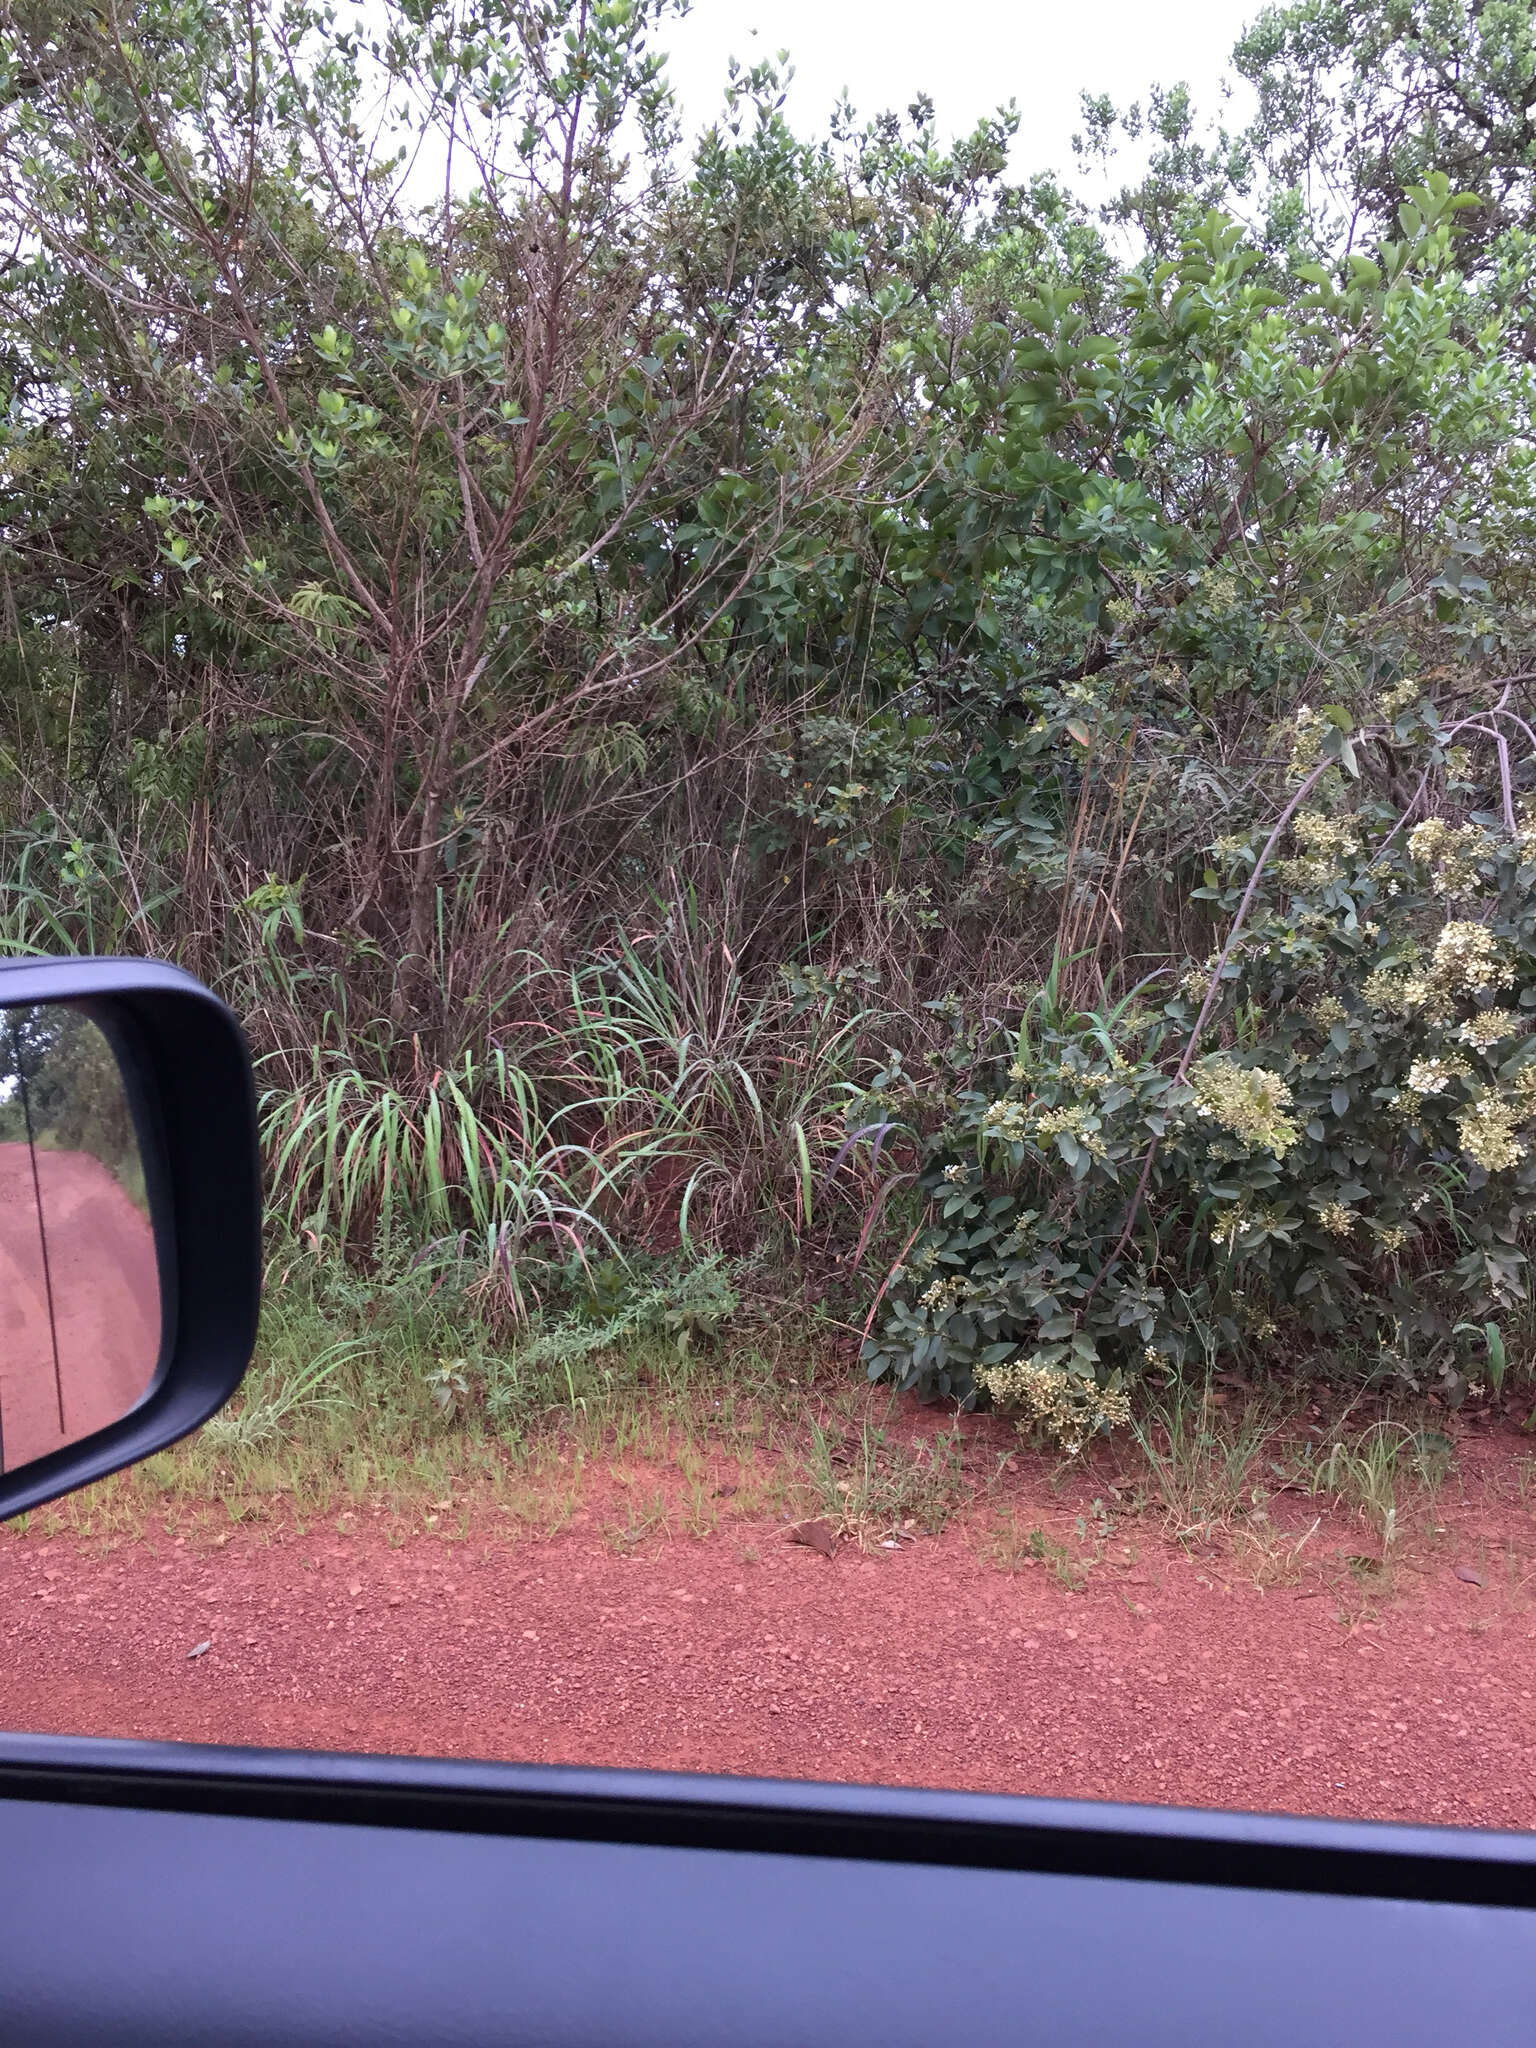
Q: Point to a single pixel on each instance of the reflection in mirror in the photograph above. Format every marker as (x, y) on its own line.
(79, 1285)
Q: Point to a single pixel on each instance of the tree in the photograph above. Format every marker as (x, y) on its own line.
(1361, 99)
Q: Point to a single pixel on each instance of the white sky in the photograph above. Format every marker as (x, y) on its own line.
(968, 55)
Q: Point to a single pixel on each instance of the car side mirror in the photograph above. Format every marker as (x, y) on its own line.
(130, 1217)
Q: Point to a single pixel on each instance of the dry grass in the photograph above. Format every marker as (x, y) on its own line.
(877, 1489)
(1216, 1465)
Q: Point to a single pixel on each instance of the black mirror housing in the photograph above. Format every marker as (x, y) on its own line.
(188, 1077)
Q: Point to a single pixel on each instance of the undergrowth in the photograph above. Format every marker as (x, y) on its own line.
(686, 1405)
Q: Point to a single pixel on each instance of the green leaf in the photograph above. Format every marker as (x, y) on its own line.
(1497, 1361)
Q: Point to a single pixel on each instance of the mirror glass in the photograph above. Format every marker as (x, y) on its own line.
(79, 1283)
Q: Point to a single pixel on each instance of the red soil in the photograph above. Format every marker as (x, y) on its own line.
(106, 1302)
(1167, 1678)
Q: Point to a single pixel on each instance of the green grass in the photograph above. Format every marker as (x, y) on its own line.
(876, 1488)
(343, 1408)
(1013, 1545)
(1214, 1460)
(1204, 1462)
(650, 1096)
(1378, 1470)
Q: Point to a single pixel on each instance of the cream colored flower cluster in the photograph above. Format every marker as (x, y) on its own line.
(943, 1294)
(1085, 1078)
(1329, 837)
(1466, 960)
(1068, 1410)
(1337, 1220)
(1009, 1120)
(1075, 1117)
(1307, 729)
(1451, 853)
(1231, 847)
(1329, 847)
(1491, 1128)
(1489, 1028)
(1434, 1076)
(1488, 1134)
(1247, 1101)
(1241, 1217)
(1393, 702)
(1400, 991)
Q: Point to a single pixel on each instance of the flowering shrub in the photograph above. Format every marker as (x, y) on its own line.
(1353, 1158)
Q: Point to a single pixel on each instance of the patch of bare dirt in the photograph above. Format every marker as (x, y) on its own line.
(1121, 1666)
(79, 1301)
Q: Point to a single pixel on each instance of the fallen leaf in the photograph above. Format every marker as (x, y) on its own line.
(198, 1650)
(815, 1535)
(1470, 1574)
(724, 1492)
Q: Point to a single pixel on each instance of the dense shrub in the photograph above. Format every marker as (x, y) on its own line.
(1351, 1163)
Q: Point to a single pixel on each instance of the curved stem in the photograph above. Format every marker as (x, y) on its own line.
(1304, 789)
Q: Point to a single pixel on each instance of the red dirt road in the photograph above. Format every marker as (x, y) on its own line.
(1166, 1679)
(106, 1301)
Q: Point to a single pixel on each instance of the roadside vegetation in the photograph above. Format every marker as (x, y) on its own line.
(817, 770)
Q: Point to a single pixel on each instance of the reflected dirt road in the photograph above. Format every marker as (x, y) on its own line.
(106, 1300)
